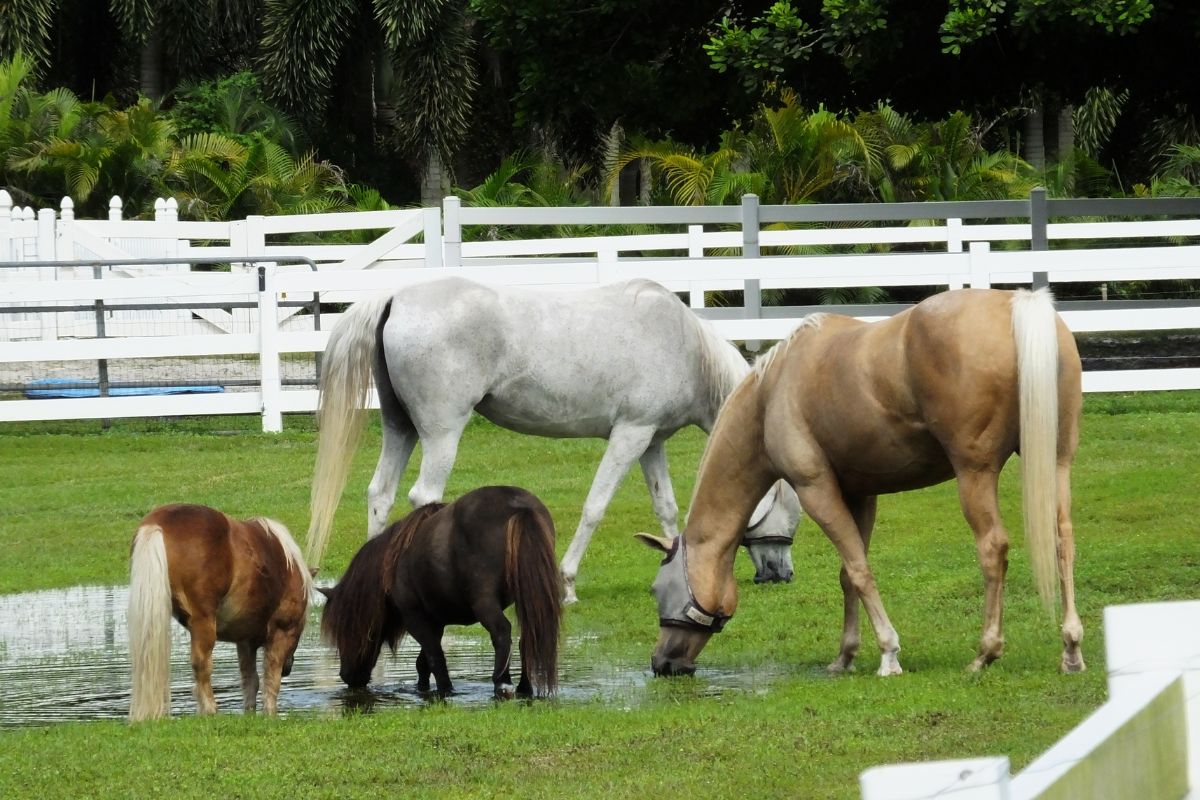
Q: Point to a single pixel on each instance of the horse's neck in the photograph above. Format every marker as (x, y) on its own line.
(734, 475)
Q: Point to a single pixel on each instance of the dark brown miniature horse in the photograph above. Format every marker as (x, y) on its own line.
(453, 564)
(222, 579)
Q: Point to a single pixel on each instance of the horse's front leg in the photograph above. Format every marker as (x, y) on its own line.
(204, 638)
(247, 658)
(499, 628)
(822, 499)
(626, 444)
(277, 662)
(863, 511)
(428, 634)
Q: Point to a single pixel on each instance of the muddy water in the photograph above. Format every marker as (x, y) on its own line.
(64, 656)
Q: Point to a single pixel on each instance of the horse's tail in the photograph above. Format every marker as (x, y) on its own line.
(149, 624)
(345, 390)
(534, 582)
(1036, 333)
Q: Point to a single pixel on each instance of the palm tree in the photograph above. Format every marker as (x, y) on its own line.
(25, 29)
(409, 63)
(788, 155)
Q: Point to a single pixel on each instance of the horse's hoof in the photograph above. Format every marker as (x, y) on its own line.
(889, 667)
(569, 597)
(840, 666)
(506, 691)
(1071, 666)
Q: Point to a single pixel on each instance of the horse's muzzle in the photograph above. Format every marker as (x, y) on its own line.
(669, 667)
(774, 573)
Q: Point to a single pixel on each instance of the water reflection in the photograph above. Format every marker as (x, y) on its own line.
(64, 656)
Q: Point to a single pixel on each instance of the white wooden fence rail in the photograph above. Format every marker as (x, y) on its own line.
(692, 261)
(1143, 744)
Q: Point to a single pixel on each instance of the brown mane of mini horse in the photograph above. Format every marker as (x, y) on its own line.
(453, 564)
(242, 581)
(361, 611)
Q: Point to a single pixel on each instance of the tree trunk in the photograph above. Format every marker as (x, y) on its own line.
(1066, 143)
(1035, 142)
(152, 66)
(435, 183)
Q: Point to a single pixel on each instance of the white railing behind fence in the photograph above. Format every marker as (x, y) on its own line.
(693, 261)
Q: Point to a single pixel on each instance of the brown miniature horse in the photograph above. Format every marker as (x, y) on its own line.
(846, 410)
(453, 564)
(223, 579)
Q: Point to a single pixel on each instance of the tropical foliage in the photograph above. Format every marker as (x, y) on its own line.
(217, 166)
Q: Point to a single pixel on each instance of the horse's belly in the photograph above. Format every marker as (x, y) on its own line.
(559, 420)
(884, 464)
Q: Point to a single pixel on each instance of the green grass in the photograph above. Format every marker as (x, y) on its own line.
(72, 495)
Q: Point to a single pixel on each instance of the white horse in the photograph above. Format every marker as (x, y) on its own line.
(629, 363)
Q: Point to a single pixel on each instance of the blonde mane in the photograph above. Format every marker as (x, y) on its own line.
(291, 550)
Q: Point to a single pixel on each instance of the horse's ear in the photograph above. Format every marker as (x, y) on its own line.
(662, 543)
(313, 571)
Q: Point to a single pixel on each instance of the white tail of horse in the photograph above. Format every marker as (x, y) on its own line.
(1036, 334)
(345, 390)
(149, 624)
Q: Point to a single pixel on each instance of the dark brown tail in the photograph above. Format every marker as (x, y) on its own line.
(534, 583)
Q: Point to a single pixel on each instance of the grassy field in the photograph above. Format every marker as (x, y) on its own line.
(72, 494)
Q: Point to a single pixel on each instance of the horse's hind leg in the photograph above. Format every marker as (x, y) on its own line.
(864, 516)
(247, 663)
(625, 445)
(658, 482)
(204, 638)
(499, 628)
(399, 439)
(439, 448)
(977, 494)
(423, 671)
(1072, 629)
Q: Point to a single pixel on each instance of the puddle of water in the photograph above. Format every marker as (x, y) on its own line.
(64, 656)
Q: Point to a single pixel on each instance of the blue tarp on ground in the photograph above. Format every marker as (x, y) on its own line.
(45, 388)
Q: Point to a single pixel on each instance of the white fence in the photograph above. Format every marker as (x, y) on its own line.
(713, 248)
(1144, 743)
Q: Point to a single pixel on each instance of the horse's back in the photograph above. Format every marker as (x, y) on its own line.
(233, 570)
(895, 405)
(551, 363)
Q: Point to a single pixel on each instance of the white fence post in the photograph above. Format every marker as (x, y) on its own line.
(6, 212)
(433, 237)
(452, 232)
(696, 250)
(268, 353)
(114, 209)
(978, 255)
(46, 252)
(954, 242)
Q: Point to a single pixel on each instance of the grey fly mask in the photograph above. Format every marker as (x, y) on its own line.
(677, 605)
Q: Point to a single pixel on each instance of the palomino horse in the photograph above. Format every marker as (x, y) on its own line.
(223, 579)
(453, 564)
(627, 362)
(846, 411)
